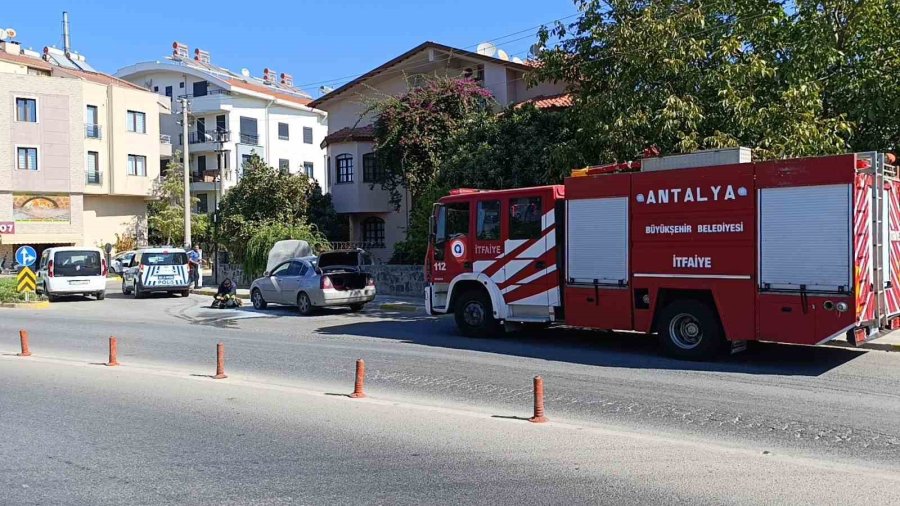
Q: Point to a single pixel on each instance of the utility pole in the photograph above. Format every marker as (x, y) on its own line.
(185, 163)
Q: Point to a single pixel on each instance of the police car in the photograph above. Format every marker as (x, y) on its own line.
(155, 270)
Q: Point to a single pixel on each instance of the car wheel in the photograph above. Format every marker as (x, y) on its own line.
(690, 330)
(475, 315)
(304, 305)
(186, 293)
(138, 293)
(101, 295)
(257, 299)
(50, 296)
(357, 307)
(125, 290)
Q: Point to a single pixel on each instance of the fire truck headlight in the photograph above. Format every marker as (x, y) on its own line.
(841, 306)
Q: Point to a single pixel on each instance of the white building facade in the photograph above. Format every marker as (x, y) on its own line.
(231, 117)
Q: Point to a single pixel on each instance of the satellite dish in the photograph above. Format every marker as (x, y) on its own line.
(518, 60)
(486, 49)
(502, 55)
(245, 72)
(536, 49)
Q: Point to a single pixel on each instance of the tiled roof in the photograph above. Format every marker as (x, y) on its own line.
(348, 134)
(268, 90)
(25, 60)
(560, 101)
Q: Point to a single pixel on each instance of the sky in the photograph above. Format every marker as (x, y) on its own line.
(320, 42)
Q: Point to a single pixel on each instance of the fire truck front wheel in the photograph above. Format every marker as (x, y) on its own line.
(475, 315)
(689, 329)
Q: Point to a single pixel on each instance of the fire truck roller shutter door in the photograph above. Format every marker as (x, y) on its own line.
(805, 238)
(597, 241)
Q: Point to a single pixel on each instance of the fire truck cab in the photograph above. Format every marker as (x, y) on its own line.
(706, 250)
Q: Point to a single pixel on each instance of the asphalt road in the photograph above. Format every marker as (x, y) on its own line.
(827, 404)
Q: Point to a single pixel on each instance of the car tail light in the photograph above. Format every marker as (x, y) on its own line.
(141, 269)
(103, 268)
(50, 268)
(326, 283)
(370, 282)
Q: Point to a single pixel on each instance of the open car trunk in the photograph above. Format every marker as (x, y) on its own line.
(342, 267)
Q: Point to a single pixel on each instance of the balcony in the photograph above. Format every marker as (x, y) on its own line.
(251, 139)
(165, 146)
(213, 101)
(93, 177)
(92, 131)
(209, 93)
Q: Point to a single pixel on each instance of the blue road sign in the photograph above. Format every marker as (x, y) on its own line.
(26, 255)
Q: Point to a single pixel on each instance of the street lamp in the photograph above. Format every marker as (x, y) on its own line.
(185, 163)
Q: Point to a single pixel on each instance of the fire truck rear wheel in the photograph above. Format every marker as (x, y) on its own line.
(689, 329)
(475, 315)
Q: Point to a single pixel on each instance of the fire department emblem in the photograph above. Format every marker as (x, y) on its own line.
(458, 248)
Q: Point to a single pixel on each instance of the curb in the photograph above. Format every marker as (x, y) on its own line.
(25, 305)
(867, 346)
(409, 308)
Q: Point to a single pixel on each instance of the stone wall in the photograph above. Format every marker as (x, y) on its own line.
(396, 280)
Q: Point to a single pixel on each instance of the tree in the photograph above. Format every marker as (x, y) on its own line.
(165, 214)
(268, 205)
(687, 75)
(412, 131)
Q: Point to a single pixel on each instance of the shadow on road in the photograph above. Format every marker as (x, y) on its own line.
(600, 348)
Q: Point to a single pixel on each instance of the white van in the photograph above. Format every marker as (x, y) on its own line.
(72, 270)
(157, 270)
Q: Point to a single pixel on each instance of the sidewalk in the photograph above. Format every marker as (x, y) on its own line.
(383, 302)
(887, 342)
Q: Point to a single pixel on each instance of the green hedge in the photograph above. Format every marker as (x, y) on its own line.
(8, 291)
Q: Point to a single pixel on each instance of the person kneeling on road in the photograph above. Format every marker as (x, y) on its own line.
(226, 296)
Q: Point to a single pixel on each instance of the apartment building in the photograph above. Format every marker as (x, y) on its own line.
(231, 116)
(80, 151)
(374, 222)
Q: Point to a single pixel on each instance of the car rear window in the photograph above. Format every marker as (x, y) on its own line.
(164, 258)
(76, 263)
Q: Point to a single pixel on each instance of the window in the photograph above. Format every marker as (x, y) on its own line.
(245, 159)
(169, 91)
(181, 84)
(26, 110)
(307, 135)
(282, 270)
(201, 164)
(27, 159)
(344, 168)
(525, 218)
(284, 131)
(200, 88)
(371, 172)
(488, 220)
(202, 203)
(373, 232)
(93, 167)
(284, 165)
(308, 169)
(137, 165)
(220, 123)
(201, 129)
(137, 122)
(92, 127)
(156, 89)
(249, 133)
(163, 259)
(452, 220)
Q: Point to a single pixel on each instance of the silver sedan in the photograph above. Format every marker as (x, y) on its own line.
(298, 282)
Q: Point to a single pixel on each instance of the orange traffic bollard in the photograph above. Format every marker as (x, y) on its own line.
(538, 401)
(113, 352)
(220, 362)
(23, 338)
(360, 380)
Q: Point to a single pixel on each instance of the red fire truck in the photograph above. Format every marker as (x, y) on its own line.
(706, 250)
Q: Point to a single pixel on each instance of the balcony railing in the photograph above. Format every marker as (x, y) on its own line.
(208, 92)
(92, 131)
(250, 139)
(165, 139)
(93, 177)
(201, 137)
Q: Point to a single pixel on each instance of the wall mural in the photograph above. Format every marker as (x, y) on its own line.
(42, 208)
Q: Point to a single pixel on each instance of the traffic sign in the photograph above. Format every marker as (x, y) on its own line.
(25, 280)
(26, 255)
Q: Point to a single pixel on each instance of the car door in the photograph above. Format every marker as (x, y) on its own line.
(130, 270)
(42, 268)
(291, 282)
(271, 287)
